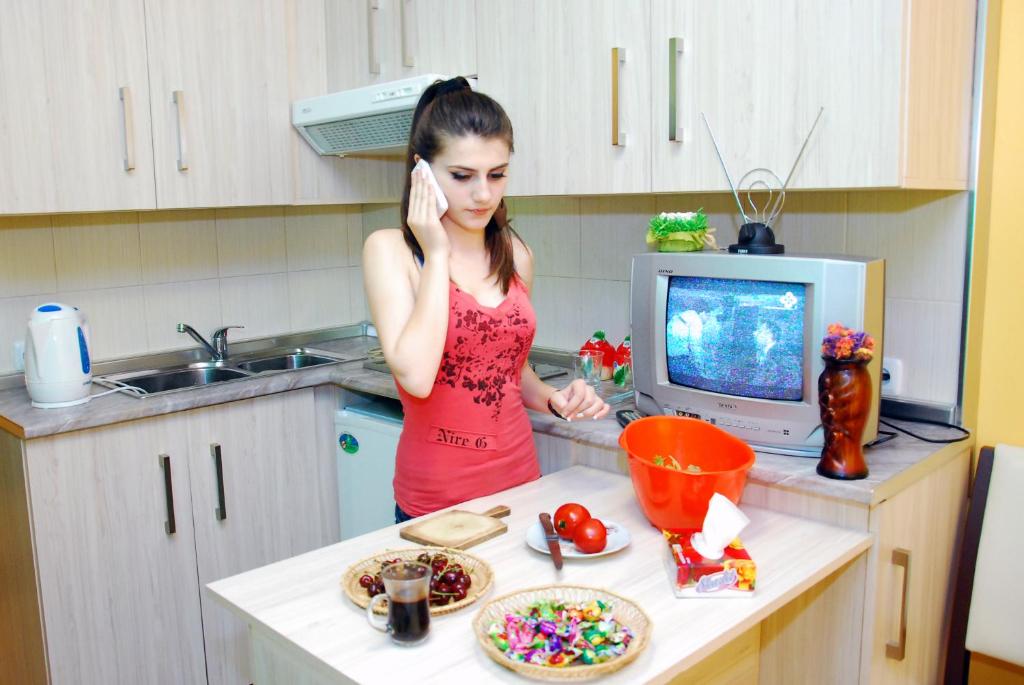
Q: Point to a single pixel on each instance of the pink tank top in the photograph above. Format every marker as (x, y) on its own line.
(471, 436)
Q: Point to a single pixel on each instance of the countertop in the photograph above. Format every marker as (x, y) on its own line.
(299, 603)
(893, 465)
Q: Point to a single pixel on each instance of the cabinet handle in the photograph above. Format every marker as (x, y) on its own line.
(179, 102)
(897, 650)
(218, 465)
(675, 48)
(408, 59)
(618, 58)
(165, 464)
(371, 43)
(128, 119)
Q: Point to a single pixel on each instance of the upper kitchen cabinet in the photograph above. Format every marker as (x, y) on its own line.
(894, 79)
(220, 102)
(374, 41)
(74, 114)
(575, 79)
(339, 45)
(329, 179)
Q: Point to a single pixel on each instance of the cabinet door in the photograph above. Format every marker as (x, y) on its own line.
(311, 56)
(550, 64)
(220, 102)
(914, 588)
(437, 37)
(68, 138)
(270, 476)
(760, 71)
(119, 596)
(374, 41)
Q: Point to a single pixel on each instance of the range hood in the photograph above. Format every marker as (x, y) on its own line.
(375, 118)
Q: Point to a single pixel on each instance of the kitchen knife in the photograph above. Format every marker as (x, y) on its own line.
(552, 538)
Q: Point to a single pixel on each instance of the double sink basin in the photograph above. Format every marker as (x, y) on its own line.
(183, 377)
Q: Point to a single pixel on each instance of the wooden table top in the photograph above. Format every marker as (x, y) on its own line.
(299, 602)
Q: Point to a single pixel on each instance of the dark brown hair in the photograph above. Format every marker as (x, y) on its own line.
(450, 109)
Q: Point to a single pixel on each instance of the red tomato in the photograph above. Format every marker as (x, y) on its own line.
(567, 517)
(590, 536)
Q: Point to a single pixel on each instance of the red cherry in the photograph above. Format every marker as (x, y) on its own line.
(365, 580)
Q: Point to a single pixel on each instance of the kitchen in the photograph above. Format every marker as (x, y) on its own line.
(258, 230)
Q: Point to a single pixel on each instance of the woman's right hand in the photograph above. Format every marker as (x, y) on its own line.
(423, 219)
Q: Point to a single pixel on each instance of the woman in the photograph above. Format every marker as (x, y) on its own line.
(450, 297)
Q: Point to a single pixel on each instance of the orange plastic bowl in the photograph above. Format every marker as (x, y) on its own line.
(673, 499)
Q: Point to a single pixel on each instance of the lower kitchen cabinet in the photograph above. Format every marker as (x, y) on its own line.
(129, 522)
(269, 475)
(111, 517)
(913, 566)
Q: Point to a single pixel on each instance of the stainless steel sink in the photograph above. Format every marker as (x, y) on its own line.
(293, 360)
(179, 379)
(196, 374)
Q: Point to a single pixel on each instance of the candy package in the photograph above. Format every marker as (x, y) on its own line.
(691, 575)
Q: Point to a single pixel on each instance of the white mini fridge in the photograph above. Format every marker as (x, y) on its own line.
(367, 436)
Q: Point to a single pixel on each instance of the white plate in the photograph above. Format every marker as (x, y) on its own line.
(618, 537)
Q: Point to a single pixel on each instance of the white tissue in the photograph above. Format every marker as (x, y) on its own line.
(722, 524)
(442, 201)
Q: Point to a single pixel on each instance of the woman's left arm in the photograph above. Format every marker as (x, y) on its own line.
(576, 400)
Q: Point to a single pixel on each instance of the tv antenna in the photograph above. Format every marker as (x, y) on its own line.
(756, 235)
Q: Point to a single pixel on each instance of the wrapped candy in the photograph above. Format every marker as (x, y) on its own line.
(622, 367)
(599, 343)
(559, 635)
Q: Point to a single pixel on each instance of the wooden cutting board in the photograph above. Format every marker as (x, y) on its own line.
(457, 529)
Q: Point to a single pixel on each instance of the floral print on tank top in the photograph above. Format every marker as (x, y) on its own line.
(489, 351)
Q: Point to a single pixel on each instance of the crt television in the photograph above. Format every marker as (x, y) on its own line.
(735, 339)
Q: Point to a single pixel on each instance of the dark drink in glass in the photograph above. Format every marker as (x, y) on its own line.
(407, 590)
(409, 621)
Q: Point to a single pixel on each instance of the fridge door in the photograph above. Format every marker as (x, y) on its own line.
(366, 467)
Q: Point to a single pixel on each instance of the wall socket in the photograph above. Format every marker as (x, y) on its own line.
(897, 380)
(18, 355)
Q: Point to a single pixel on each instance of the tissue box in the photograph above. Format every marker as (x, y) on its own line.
(691, 575)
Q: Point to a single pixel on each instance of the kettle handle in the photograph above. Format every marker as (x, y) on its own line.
(39, 340)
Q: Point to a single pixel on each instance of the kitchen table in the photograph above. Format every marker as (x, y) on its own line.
(304, 629)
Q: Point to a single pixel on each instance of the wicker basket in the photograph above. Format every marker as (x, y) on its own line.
(625, 611)
(478, 569)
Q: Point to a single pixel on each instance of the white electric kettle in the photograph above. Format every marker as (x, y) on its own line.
(58, 372)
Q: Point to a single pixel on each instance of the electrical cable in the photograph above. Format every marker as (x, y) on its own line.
(943, 424)
(888, 435)
(120, 387)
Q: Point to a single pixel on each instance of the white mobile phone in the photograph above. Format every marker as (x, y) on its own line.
(442, 201)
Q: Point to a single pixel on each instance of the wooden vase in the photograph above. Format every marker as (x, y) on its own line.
(844, 397)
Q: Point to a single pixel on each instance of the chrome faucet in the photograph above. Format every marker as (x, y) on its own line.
(219, 349)
(220, 341)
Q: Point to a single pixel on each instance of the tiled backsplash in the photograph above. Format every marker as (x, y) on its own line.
(136, 275)
(583, 247)
(298, 268)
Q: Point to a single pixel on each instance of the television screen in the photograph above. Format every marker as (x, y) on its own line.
(738, 337)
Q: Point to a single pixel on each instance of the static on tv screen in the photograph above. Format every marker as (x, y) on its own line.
(737, 337)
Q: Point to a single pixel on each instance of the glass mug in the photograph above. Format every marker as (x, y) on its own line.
(407, 589)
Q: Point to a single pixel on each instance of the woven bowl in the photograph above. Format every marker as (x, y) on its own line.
(624, 610)
(479, 573)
